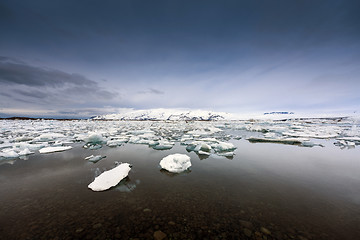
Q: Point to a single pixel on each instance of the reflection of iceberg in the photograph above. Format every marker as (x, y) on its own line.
(110, 178)
(176, 163)
(7, 161)
(173, 174)
(291, 141)
(127, 185)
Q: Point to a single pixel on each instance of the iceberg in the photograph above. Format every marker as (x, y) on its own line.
(110, 178)
(54, 149)
(176, 163)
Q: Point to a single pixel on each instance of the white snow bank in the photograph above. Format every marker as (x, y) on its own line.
(54, 149)
(110, 178)
(176, 163)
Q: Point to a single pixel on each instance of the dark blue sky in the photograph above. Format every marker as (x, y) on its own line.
(82, 58)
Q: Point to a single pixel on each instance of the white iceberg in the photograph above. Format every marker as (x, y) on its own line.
(110, 178)
(176, 163)
(54, 149)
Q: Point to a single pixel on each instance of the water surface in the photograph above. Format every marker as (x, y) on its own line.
(293, 192)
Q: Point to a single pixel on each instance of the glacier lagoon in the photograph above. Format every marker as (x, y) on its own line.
(237, 187)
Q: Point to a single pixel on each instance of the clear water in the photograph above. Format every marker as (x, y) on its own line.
(293, 192)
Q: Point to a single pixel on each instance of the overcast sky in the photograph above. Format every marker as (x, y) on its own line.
(83, 58)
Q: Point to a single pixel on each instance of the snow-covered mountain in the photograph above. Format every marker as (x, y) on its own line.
(167, 114)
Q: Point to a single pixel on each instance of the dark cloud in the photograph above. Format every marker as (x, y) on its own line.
(16, 72)
(31, 93)
(23, 83)
(227, 55)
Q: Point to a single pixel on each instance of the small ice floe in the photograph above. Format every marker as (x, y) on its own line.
(198, 146)
(8, 153)
(311, 144)
(345, 144)
(203, 153)
(163, 145)
(110, 178)
(94, 159)
(95, 138)
(114, 143)
(54, 149)
(176, 163)
(92, 146)
(25, 152)
(45, 137)
(223, 147)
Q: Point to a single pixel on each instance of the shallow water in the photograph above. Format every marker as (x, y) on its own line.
(294, 192)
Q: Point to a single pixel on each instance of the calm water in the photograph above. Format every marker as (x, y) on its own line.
(293, 192)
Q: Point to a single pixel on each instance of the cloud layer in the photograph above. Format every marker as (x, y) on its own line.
(236, 56)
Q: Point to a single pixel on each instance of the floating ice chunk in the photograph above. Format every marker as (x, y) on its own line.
(48, 137)
(197, 146)
(203, 147)
(163, 145)
(114, 143)
(25, 151)
(94, 138)
(8, 153)
(54, 149)
(213, 140)
(224, 147)
(92, 146)
(110, 178)
(176, 163)
(31, 147)
(94, 159)
(342, 144)
(22, 139)
(310, 144)
(204, 153)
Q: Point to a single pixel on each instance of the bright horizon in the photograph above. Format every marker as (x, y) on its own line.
(81, 59)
